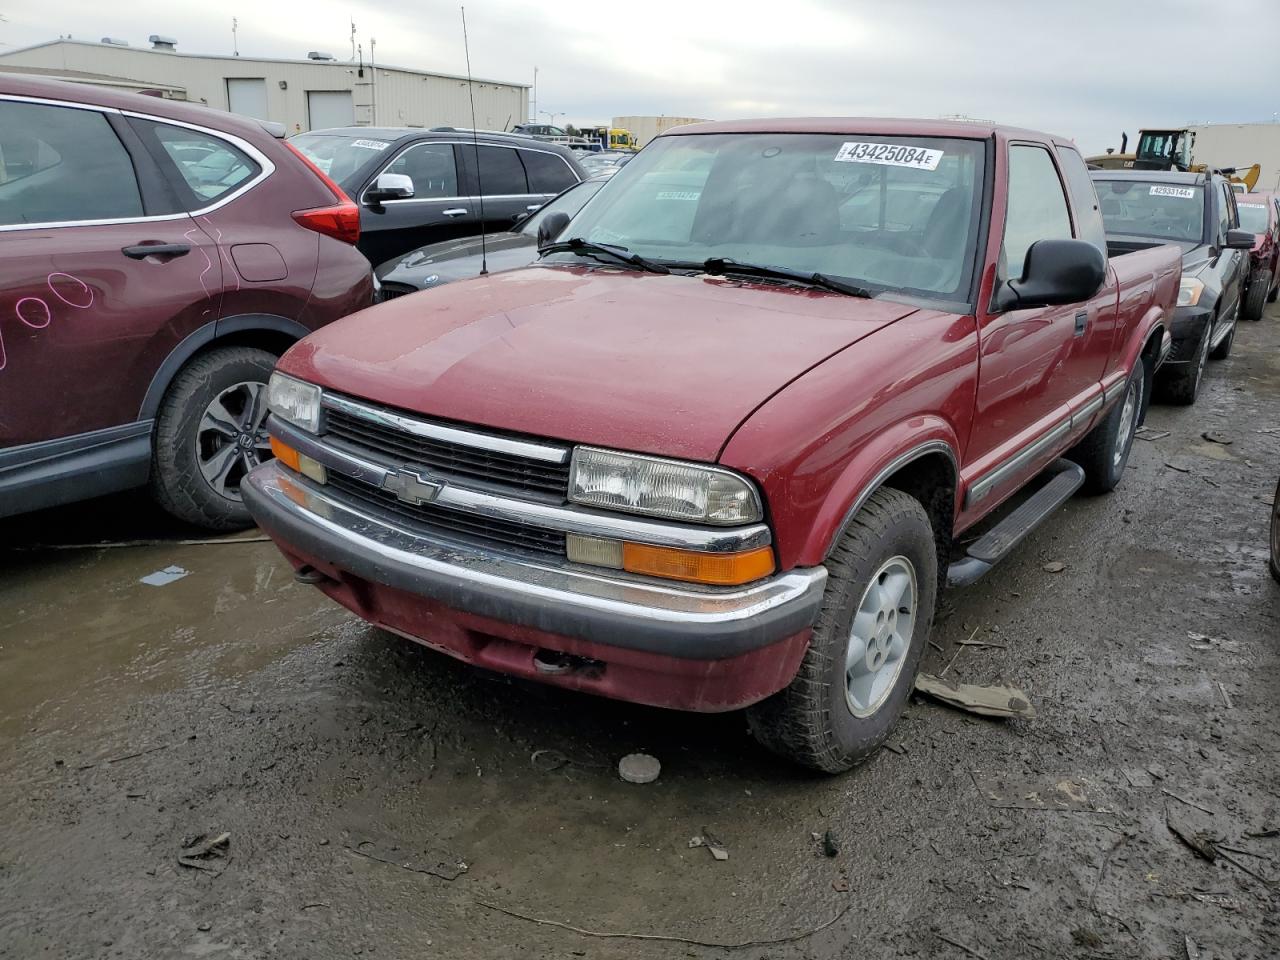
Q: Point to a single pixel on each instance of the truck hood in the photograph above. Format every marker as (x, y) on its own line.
(658, 364)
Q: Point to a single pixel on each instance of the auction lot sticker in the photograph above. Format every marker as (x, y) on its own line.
(889, 154)
(1185, 193)
(370, 144)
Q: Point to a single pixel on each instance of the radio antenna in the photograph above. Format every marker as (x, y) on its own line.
(475, 145)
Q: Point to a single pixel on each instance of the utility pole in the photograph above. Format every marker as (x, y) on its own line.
(373, 78)
(533, 112)
(235, 40)
(353, 38)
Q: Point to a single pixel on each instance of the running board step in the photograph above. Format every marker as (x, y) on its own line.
(994, 545)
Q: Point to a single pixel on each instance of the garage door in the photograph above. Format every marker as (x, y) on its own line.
(330, 108)
(247, 97)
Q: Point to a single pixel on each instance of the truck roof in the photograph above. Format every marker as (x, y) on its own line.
(1150, 176)
(967, 129)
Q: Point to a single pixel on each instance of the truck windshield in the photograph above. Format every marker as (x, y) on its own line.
(879, 212)
(1253, 216)
(1164, 211)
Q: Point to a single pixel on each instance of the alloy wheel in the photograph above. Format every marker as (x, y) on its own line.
(231, 438)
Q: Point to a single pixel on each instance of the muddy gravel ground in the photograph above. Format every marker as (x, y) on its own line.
(383, 800)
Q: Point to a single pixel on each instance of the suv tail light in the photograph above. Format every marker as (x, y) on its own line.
(340, 220)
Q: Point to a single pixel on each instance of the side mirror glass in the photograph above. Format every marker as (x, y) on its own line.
(390, 186)
(551, 227)
(1055, 272)
(1240, 239)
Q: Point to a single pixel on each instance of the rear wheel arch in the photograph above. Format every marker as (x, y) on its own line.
(268, 332)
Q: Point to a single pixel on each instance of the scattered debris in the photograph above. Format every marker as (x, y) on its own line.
(1054, 566)
(967, 949)
(720, 944)
(1102, 869)
(1157, 770)
(1192, 948)
(1198, 842)
(1226, 697)
(433, 863)
(1217, 438)
(639, 768)
(1202, 641)
(117, 544)
(1047, 793)
(1138, 777)
(1264, 832)
(985, 701)
(203, 854)
(204, 927)
(1182, 799)
(830, 845)
(840, 884)
(134, 756)
(162, 578)
(1150, 433)
(548, 761)
(1085, 937)
(709, 841)
(1217, 900)
(1174, 466)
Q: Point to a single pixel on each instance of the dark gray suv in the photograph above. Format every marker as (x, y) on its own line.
(416, 187)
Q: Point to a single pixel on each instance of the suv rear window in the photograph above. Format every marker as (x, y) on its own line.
(59, 165)
(208, 166)
(1253, 217)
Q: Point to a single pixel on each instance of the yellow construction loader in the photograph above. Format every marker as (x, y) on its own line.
(1171, 150)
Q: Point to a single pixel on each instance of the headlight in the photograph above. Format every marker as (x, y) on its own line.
(1189, 292)
(293, 401)
(670, 489)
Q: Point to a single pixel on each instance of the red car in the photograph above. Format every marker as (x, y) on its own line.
(158, 258)
(722, 445)
(1260, 215)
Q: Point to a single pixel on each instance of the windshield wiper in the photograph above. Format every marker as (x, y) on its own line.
(725, 266)
(588, 249)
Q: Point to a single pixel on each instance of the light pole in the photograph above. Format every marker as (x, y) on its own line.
(551, 115)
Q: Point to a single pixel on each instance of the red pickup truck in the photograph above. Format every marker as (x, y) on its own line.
(776, 384)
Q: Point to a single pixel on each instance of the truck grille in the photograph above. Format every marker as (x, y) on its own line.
(443, 521)
(449, 459)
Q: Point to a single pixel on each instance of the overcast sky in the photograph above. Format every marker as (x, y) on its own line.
(1086, 69)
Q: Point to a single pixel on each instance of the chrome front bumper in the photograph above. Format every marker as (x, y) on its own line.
(560, 598)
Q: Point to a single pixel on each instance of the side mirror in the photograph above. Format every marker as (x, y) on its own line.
(1240, 240)
(551, 227)
(1055, 272)
(390, 186)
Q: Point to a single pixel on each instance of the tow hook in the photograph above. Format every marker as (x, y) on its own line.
(554, 663)
(309, 574)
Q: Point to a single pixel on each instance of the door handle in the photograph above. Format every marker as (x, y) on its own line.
(455, 212)
(143, 250)
(1082, 321)
(535, 206)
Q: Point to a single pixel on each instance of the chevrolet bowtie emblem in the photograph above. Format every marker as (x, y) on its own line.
(411, 487)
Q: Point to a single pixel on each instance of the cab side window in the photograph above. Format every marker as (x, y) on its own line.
(1037, 207)
(501, 172)
(1084, 198)
(62, 165)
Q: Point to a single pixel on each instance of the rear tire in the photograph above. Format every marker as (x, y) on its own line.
(1104, 451)
(1255, 301)
(209, 434)
(1181, 385)
(861, 663)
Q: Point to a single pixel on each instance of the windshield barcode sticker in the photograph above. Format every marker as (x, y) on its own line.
(1184, 193)
(370, 144)
(1253, 206)
(679, 195)
(890, 154)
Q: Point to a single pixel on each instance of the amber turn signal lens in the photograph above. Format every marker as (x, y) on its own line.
(285, 454)
(692, 566)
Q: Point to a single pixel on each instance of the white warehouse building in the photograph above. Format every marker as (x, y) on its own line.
(303, 95)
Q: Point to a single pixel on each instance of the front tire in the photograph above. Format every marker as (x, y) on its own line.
(210, 434)
(1182, 385)
(1104, 451)
(872, 628)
